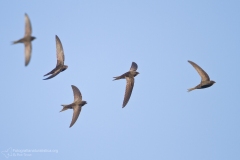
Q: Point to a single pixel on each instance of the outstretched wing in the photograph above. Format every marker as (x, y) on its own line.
(54, 72)
(60, 52)
(28, 27)
(28, 51)
(134, 66)
(77, 94)
(53, 75)
(128, 91)
(200, 71)
(76, 112)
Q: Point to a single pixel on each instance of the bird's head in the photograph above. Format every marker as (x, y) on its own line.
(136, 73)
(84, 102)
(64, 68)
(32, 38)
(213, 82)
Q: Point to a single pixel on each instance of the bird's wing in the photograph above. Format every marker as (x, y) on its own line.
(28, 27)
(60, 52)
(53, 75)
(52, 71)
(128, 91)
(77, 94)
(76, 112)
(200, 71)
(134, 66)
(28, 51)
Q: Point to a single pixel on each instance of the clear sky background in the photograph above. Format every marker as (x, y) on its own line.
(101, 39)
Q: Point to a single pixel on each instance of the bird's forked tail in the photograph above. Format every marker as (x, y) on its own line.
(65, 107)
(15, 42)
(190, 89)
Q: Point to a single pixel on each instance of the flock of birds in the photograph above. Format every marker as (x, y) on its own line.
(78, 103)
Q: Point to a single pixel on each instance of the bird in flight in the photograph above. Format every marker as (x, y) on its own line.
(76, 105)
(60, 67)
(129, 76)
(27, 40)
(205, 80)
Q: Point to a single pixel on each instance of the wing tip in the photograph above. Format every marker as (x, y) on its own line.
(124, 103)
(134, 66)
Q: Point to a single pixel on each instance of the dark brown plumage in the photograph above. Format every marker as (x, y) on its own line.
(27, 40)
(76, 105)
(205, 80)
(129, 76)
(60, 67)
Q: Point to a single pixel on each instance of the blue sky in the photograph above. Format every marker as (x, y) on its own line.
(101, 39)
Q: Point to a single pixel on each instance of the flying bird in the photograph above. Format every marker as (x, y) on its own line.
(60, 67)
(76, 105)
(205, 80)
(27, 40)
(129, 76)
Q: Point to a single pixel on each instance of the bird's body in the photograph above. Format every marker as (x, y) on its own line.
(60, 67)
(129, 76)
(27, 40)
(202, 85)
(205, 80)
(76, 105)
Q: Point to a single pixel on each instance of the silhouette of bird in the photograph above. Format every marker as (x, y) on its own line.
(27, 40)
(129, 76)
(60, 67)
(76, 105)
(205, 80)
